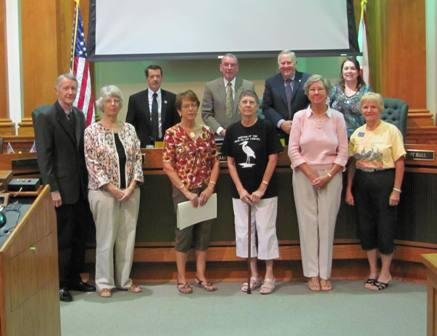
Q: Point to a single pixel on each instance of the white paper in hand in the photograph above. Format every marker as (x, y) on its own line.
(188, 215)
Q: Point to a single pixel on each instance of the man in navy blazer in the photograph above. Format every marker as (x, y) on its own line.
(139, 110)
(59, 130)
(279, 105)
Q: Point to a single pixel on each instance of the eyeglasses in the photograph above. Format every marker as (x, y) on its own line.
(112, 101)
(229, 65)
(313, 90)
(187, 106)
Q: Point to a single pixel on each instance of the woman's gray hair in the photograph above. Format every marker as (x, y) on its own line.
(314, 79)
(249, 93)
(373, 97)
(106, 92)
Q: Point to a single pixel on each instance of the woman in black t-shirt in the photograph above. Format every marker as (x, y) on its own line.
(252, 148)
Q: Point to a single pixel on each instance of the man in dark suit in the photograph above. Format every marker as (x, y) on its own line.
(284, 94)
(153, 110)
(221, 96)
(59, 130)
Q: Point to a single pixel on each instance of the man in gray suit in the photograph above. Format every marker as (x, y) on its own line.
(221, 96)
(59, 130)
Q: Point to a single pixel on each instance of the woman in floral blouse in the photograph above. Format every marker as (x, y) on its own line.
(345, 96)
(113, 159)
(190, 161)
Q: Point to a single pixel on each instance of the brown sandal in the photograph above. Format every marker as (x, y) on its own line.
(325, 285)
(184, 288)
(314, 284)
(206, 285)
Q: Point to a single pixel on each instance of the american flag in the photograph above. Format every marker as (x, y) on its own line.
(80, 69)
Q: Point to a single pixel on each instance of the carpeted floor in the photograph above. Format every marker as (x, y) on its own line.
(350, 309)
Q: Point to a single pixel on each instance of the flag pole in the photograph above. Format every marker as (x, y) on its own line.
(76, 22)
(362, 43)
(363, 7)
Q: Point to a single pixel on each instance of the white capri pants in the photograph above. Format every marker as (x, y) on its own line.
(116, 224)
(263, 222)
(316, 214)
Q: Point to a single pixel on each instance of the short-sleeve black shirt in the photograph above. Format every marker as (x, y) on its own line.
(250, 147)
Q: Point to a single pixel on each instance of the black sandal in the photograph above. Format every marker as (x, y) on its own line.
(370, 282)
(380, 285)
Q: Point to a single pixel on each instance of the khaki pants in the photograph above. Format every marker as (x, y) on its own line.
(115, 234)
(316, 214)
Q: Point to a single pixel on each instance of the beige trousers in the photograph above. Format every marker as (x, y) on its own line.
(115, 237)
(316, 214)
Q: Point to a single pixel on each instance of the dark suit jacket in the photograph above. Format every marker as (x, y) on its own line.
(60, 151)
(139, 116)
(275, 105)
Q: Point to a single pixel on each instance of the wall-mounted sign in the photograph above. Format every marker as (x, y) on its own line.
(420, 155)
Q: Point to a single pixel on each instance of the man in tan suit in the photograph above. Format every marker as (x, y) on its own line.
(221, 96)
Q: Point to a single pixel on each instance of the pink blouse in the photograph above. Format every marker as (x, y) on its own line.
(318, 141)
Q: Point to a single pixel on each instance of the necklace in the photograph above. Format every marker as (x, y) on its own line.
(192, 132)
(110, 125)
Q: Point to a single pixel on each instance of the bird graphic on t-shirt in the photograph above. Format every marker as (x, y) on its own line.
(249, 153)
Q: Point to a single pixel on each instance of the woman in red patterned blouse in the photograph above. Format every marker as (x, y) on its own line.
(190, 161)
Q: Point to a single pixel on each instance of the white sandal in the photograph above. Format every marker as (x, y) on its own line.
(268, 286)
(255, 283)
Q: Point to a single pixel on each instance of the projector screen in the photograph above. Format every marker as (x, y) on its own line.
(190, 29)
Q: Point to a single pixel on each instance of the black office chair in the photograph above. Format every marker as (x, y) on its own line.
(396, 113)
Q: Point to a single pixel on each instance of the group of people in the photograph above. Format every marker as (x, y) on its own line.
(327, 131)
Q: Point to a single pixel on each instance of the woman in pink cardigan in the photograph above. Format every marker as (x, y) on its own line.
(318, 151)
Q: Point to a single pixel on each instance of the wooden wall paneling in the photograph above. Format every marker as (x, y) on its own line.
(397, 52)
(422, 135)
(55, 33)
(404, 51)
(419, 118)
(39, 56)
(65, 13)
(430, 261)
(6, 125)
(30, 273)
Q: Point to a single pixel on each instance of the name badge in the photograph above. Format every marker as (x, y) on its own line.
(361, 134)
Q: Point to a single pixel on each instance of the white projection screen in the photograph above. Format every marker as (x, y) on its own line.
(190, 29)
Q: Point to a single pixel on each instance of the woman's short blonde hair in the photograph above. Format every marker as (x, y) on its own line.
(373, 97)
(314, 79)
(106, 92)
